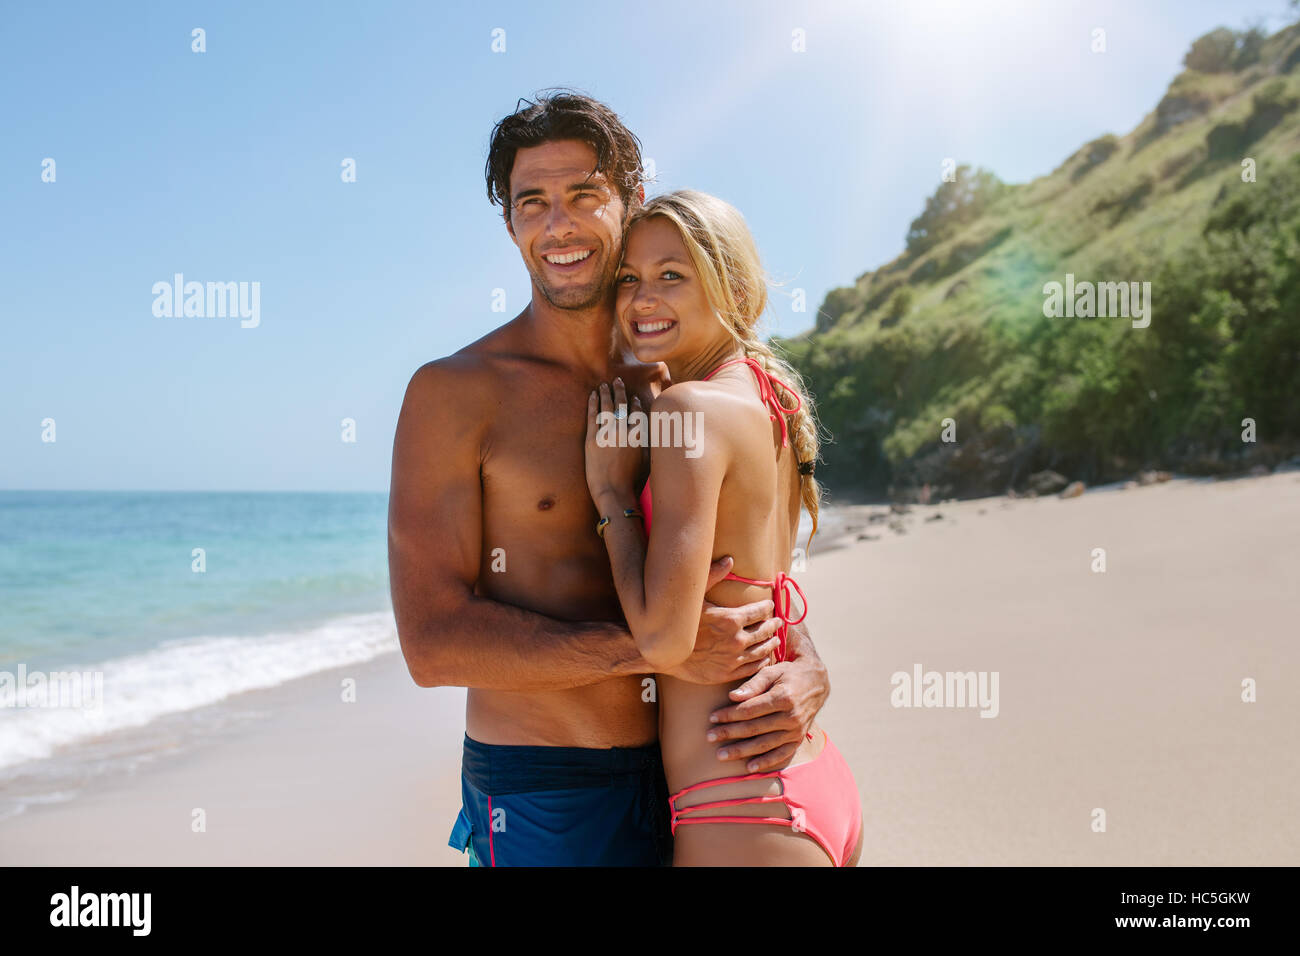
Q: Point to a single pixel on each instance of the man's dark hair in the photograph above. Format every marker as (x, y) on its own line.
(558, 115)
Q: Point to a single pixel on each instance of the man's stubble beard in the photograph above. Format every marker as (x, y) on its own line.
(581, 297)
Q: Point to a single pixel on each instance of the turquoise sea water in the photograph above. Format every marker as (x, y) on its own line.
(105, 582)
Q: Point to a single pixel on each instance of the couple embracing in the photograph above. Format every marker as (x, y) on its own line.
(642, 690)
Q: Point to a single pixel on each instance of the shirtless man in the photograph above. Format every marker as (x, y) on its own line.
(499, 581)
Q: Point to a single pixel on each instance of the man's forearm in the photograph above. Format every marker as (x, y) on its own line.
(486, 644)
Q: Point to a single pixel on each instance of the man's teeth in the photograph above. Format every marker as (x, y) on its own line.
(568, 257)
(644, 327)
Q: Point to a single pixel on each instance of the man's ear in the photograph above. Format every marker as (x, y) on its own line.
(640, 193)
(511, 229)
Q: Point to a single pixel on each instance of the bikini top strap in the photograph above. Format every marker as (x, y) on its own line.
(767, 393)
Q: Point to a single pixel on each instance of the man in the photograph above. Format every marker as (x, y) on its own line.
(499, 580)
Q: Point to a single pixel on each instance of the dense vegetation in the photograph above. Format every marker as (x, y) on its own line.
(955, 326)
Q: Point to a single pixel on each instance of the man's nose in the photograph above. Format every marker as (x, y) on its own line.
(559, 222)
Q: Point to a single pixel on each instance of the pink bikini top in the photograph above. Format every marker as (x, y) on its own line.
(781, 587)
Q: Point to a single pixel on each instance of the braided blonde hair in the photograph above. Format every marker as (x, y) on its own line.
(725, 257)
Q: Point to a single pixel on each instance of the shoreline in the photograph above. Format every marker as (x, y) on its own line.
(276, 785)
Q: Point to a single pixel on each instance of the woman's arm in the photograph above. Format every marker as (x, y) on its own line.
(660, 588)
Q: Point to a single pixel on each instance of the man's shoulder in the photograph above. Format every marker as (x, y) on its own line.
(452, 375)
(474, 366)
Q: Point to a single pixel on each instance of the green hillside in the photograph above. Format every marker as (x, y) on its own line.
(954, 328)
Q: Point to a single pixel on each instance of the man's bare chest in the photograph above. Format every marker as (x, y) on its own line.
(534, 460)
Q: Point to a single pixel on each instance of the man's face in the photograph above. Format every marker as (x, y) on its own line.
(567, 221)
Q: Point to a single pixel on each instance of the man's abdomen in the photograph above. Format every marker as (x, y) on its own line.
(550, 568)
(619, 712)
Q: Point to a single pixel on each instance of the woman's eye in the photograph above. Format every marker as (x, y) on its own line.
(625, 278)
(670, 274)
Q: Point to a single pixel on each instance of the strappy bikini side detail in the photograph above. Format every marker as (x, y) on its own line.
(678, 819)
(820, 795)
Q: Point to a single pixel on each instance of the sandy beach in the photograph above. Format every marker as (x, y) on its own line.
(1119, 691)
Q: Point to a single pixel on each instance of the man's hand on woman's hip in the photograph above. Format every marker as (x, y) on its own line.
(776, 709)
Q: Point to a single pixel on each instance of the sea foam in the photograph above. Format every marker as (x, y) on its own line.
(181, 675)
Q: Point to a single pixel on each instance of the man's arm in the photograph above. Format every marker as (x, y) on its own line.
(449, 635)
(777, 708)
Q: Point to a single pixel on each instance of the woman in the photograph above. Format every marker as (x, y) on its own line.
(690, 291)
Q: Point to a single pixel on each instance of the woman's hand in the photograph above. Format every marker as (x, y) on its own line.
(613, 465)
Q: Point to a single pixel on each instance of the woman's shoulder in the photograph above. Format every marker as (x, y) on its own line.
(700, 395)
(682, 397)
(737, 423)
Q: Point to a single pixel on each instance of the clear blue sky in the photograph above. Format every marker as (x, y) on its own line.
(225, 166)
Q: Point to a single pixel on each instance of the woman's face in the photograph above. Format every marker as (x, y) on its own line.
(661, 305)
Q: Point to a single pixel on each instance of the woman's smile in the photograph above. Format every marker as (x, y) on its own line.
(647, 329)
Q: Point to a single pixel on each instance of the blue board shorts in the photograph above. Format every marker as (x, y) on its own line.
(562, 806)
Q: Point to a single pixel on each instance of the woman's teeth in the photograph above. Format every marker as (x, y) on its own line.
(644, 328)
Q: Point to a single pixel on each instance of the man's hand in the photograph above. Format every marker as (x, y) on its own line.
(732, 642)
(776, 710)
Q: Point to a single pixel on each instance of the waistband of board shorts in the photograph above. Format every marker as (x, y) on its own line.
(499, 768)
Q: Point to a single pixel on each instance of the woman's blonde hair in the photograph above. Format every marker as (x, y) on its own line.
(724, 255)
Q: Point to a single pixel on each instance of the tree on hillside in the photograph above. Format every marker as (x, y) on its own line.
(954, 204)
(1213, 52)
(1224, 50)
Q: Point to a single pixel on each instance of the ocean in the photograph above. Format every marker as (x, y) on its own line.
(110, 585)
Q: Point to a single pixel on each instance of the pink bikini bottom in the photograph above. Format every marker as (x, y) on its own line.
(820, 794)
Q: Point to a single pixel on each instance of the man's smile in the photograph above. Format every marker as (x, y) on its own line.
(567, 261)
